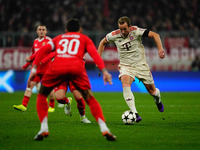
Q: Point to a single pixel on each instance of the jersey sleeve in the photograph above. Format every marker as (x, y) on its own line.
(49, 57)
(109, 37)
(139, 31)
(32, 57)
(91, 49)
(44, 50)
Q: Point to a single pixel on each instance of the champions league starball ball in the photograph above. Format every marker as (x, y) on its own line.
(128, 117)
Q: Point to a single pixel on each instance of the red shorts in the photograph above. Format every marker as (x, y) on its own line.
(64, 86)
(58, 74)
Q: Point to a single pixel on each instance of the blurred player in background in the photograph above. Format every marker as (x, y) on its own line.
(60, 95)
(132, 60)
(38, 43)
(68, 66)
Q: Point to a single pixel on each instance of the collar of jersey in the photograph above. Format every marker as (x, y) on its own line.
(40, 39)
(126, 36)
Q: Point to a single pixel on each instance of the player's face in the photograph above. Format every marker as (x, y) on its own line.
(124, 28)
(41, 31)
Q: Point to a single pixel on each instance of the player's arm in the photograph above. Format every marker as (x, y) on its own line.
(48, 58)
(101, 46)
(40, 54)
(29, 60)
(32, 57)
(157, 39)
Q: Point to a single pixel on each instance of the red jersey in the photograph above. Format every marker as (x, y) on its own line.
(38, 43)
(71, 47)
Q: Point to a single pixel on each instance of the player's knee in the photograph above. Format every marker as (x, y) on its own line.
(59, 95)
(87, 94)
(152, 91)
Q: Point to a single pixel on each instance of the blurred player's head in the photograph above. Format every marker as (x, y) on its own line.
(124, 24)
(73, 25)
(41, 31)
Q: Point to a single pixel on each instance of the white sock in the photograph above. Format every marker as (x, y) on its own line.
(157, 97)
(44, 126)
(129, 98)
(82, 116)
(103, 126)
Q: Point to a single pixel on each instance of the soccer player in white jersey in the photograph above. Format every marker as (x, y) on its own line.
(132, 60)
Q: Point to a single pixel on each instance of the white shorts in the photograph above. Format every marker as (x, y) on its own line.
(142, 73)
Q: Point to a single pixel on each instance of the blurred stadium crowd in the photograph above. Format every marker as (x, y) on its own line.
(157, 15)
(177, 22)
(171, 18)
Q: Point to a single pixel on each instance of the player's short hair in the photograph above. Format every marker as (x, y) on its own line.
(73, 25)
(124, 19)
(41, 25)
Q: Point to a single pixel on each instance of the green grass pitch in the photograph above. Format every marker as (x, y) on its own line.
(178, 127)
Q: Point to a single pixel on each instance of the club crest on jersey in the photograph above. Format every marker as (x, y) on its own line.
(43, 43)
(131, 38)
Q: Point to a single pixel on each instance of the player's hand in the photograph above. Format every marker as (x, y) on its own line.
(161, 53)
(28, 59)
(107, 77)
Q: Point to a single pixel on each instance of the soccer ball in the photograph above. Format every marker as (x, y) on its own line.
(128, 117)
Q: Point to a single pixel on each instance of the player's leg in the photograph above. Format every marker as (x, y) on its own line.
(97, 113)
(60, 94)
(80, 105)
(128, 95)
(51, 102)
(81, 82)
(26, 98)
(155, 92)
(38, 85)
(42, 110)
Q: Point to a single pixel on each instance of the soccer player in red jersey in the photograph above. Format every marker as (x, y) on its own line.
(38, 43)
(67, 66)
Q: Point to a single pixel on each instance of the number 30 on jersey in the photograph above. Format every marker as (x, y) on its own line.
(70, 46)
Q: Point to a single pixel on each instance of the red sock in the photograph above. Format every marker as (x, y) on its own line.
(25, 100)
(63, 101)
(42, 106)
(81, 106)
(95, 108)
(52, 103)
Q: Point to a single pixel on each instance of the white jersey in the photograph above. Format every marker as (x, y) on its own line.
(131, 50)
